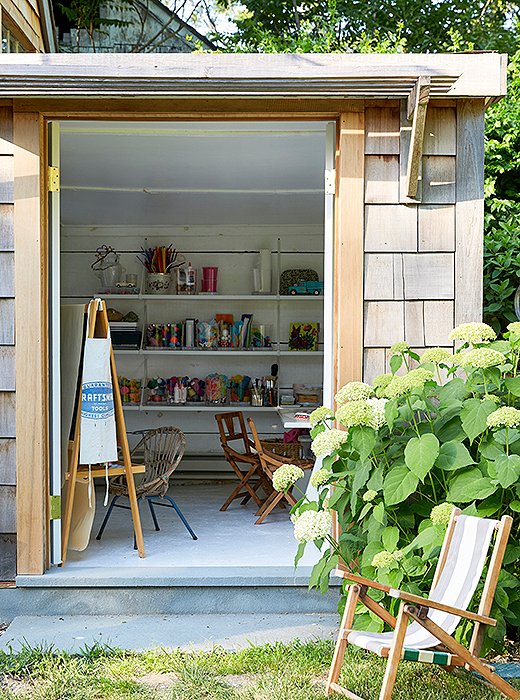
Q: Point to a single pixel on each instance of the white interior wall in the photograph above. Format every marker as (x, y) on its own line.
(276, 202)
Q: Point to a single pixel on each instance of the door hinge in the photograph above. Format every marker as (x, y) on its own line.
(54, 178)
(330, 182)
(55, 507)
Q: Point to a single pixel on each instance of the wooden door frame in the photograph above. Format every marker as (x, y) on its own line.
(31, 275)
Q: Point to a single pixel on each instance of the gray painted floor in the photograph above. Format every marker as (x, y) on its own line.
(141, 632)
(225, 540)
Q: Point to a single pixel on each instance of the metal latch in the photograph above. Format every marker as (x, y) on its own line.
(330, 182)
(55, 507)
(54, 178)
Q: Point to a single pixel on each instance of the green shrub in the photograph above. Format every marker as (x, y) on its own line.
(502, 204)
(414, 446)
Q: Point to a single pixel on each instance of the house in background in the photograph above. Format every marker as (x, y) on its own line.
(27, 26)
(130, 26)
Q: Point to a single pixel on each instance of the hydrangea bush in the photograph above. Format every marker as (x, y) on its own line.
(439, 431)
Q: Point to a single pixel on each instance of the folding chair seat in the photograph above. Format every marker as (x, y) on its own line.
(433, 620)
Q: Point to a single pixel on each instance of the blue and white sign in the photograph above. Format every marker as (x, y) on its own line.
(97, 400)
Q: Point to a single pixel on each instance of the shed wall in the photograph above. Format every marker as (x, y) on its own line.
(24, 17)
(7, 351)
(423, 258)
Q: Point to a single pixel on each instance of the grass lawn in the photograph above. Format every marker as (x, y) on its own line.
(274, 672)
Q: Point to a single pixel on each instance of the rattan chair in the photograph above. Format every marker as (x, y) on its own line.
(163, 449)
(239, 452)
(270, 462)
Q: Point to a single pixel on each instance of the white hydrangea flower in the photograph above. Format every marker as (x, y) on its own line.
(441, 514)
(285, 476)
(378, 412)
(382, 560)
(399, 348)
(504, 417)
(481, 358)
(437, 355)
(320, 477)
(355, 413)
(414, 379)
(353, 391)
(369, 495)
(312, 525)
(473, 333)
(320, 414)
(328, 441)
(514, 327)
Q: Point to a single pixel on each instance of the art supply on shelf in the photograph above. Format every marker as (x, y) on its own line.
(304, 336)
(130, 390)
(191, 280)
(209, 280)
(265, 271)
(159, 262)
(107, 267)
(189, 333)
(216, 389)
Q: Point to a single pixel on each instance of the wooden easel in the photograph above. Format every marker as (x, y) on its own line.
(99, 328)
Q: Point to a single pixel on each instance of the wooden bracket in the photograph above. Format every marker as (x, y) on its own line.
(417, 106)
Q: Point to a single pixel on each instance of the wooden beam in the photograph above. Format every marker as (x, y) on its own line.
(417, 106)
(348, 254)
(31, 347)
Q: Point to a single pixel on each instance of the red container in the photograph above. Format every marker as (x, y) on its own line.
(209, 279)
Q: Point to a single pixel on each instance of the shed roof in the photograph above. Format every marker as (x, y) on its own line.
(251, 75)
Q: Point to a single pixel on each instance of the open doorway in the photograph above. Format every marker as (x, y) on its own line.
(248, 201)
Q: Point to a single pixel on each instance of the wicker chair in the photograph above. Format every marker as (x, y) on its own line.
(163, 449)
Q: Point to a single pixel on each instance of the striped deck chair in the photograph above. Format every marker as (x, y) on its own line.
(433, 620)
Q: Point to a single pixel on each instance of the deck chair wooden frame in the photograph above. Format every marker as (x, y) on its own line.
(447, 652)
(270, 462)
(250, 478)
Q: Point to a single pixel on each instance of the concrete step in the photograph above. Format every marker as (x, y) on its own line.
(169, 591)
(72, 633)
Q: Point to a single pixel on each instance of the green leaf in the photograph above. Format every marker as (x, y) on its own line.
(361, 476)
(376, 480)
(515, 506)
(391, 413)
(364, 511)
(474, 413)
(414, 566)
(470, 485)
(425, 539)
(390, 538)
(379, 513)
(399, 483)
(420, 454)
(299, 553)
(452, 430)
(508, 470)
(363, 440)
(513, 385)
(395, 363)
(453, 455)
(455, 390)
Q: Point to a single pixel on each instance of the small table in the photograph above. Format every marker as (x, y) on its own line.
(289, 422)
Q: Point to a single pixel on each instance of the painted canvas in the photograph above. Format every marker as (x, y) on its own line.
(304, 336)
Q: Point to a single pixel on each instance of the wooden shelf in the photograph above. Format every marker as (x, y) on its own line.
(200, 297)
(222, 353)
(203, 408)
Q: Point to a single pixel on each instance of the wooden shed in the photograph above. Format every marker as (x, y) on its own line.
(396, 190)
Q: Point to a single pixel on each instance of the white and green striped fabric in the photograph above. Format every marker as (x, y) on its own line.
(455, 587)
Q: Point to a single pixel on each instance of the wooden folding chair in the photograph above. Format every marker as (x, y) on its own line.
(232, 428)
(433, 620)
(270, 462)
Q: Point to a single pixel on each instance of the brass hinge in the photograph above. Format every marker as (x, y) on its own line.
(330, 182)
(55, 507)
(54, 178)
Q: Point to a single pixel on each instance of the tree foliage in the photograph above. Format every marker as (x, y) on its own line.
(502, 215)
(287, 26)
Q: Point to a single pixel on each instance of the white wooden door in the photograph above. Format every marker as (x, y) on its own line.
(54, 342)
(328, 278)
